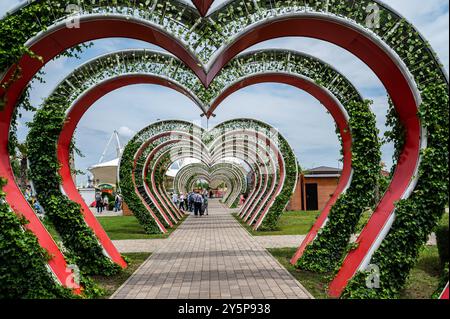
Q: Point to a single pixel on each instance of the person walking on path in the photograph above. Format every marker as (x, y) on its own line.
(98, 202)
(106, 203)
(182, 200)
(191, 202)
(117, 203)
(175, 199)
(205, 205)
(29, 194)
(198, 202)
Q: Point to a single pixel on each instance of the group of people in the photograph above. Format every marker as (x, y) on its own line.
(194, 202)
(32, 200)
(102, 203)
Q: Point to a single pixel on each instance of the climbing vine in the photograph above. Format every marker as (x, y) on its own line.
(417, 216)
(282, 200)
(418, 212)
(128, 192)
(23, 273)
(396, 134)
(326, 252)
(65, 214)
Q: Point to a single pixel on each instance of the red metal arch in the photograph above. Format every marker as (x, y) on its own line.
(397, 85)
(330, 104)
(203, 6)
(84, 102)
(256, 186)
(74, 115)
(324, 28)
(155, 150)
(444, 294)
(272, 192)
(48, 47)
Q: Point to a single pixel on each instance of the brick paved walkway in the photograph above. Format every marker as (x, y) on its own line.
(151, 245)
(211, 257)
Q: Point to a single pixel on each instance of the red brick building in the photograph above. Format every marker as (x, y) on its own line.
(314, 188)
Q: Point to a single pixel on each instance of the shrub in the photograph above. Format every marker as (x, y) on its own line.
(442, 237)
(443, 282)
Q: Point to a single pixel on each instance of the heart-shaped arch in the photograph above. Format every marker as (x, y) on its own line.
(231, 171)
(85, 99)
(256, 169)
(349, 33)
(218, 133)
(203, 6)
(236, 153)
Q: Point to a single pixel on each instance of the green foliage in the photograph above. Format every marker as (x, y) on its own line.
(443, 282)
(23, 272)
(442, 237)
(128, 192)
(64, 214)
(272, 218)
(396, 134)
(417, 216)
(326, 251)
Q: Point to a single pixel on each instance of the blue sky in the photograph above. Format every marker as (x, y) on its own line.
(304, 122)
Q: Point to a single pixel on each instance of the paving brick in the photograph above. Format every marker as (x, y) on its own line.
(211, 257)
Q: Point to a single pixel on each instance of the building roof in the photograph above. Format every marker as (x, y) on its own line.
(105, 173)
(324, 170)
(113, 163)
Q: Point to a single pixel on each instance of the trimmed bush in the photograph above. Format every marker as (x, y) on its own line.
(442, 237)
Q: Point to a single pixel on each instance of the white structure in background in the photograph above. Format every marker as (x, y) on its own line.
(105, 173)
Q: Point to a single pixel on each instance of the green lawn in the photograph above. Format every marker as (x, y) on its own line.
(291, 223)
(300, 222)
(313, 282)
(128, 227)
(423, 281)
(111, 284)
(424, 278)
(51, 229)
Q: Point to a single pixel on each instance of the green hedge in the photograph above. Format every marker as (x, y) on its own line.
(442, 237)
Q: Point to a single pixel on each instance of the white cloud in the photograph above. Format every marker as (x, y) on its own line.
(126, 132)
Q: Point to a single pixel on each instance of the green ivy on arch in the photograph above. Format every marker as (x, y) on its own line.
(65, 214)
